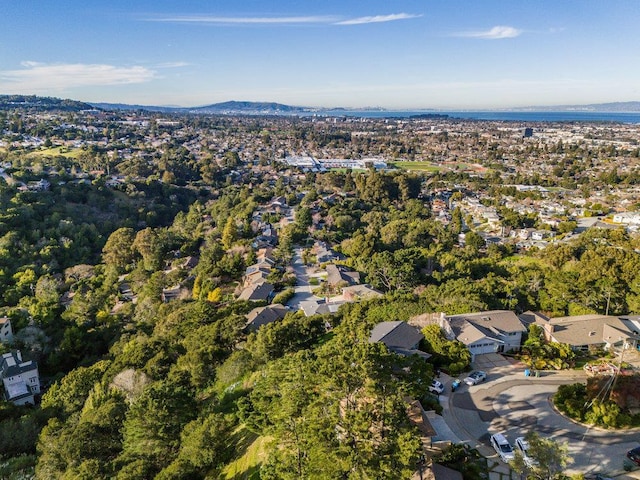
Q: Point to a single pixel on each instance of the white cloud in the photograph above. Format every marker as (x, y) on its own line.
(172, 65)
(495, 33)
(37, 77)
(377, 19)
(29, 63)
(314, 19)
(213, 20)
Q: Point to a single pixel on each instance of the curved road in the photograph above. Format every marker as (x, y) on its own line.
(512, 404)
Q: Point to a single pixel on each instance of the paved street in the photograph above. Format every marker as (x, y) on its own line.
(510, 403)
(302, 288)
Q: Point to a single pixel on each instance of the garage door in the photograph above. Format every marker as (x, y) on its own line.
(480, 348)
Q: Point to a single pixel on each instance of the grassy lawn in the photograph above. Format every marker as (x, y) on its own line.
(251, 450)
(56, 152)
(421, 166)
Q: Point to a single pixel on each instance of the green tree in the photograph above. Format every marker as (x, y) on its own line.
(229, 233)
(550, 459)
(118, 251)
(149, 245)
(450, 354)
(68, 395)
(154, 422)
(474, 240)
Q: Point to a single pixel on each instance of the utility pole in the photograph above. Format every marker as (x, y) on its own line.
(617, 372)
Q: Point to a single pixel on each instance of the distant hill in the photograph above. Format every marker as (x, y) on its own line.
(594, 107)
(225, 108)
(126, 106)
(250, 108)
(33, 102)
(262, 108)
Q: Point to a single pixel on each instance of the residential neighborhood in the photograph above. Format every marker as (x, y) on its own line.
(447, 280)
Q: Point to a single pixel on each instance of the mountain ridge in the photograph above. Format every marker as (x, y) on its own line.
(272, 108)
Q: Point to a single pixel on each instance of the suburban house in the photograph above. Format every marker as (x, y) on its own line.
(494, 331)
(257, 292)
(174, 293)
(265, 255)
(20, 379)
(256, 273)
(260, 316)
(324, 253)
(584, 332)
(337, 275)
(321, 306)
(361, 291)
(399, 337)
(259, 271)
(6, 334)
(189, 263)
(529, 317)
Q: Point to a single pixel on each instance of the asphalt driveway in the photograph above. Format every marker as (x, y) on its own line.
(510, 403)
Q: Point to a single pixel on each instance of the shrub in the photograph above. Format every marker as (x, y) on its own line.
(604, 413)
(430, 402)
(284, 296)
(570, 400)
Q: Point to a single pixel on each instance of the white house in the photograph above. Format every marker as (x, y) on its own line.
(485, 332)
(627, 218)
(20, 379)
(541, 234)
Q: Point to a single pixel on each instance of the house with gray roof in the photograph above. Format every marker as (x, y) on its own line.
(324, 253)
(399, 337)
(339, 275)
(485, 332)
(584, 332)
(20, 380)
(260, 316)
(256, 292)
(320, 306)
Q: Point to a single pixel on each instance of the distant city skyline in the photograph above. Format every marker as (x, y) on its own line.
(406, 54)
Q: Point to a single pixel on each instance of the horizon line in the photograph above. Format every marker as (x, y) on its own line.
(560, 107)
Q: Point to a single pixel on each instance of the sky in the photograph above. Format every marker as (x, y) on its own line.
(401, 54)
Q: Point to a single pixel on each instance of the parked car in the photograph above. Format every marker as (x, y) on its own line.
(436, 387)
(475, 377)
(523, 447)
(502, 447)
(634, 455)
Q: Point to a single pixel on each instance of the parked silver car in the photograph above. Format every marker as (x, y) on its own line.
(523, 447)
(502, 447)
(475, 377)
